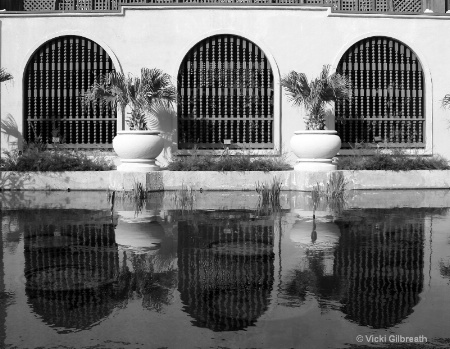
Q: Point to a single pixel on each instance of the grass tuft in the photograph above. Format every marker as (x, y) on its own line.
(269, 196)
(334, 192)
(184, 198)
(138, 195)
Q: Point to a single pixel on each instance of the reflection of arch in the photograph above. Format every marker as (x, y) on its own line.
(56, 76)
(70, 267)
(226, 269)
(380, 260)
(388, 102)
(226, 91)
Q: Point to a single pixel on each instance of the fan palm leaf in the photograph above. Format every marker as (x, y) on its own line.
(4, 75)
(446, 101)
(146, 95)
(316, 94)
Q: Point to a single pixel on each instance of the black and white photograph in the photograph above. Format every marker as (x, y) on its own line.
(225, 174)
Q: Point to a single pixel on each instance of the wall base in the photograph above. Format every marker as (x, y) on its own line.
(138, 166)
(320, 165)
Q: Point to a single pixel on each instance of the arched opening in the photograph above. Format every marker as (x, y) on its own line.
(56, 77)
(225, 88)
(387, 104)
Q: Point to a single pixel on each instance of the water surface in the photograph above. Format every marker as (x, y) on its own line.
(224, 274)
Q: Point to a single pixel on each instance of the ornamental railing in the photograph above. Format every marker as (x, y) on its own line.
(370, 6)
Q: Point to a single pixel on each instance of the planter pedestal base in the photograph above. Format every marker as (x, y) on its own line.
(315, 165)
(138, 165)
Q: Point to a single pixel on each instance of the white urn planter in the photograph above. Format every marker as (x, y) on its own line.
(138, 150)
(315, 149)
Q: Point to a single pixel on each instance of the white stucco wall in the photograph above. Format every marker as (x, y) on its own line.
(293, 38)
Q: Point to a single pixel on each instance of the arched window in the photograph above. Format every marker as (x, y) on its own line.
(388, 95)
(225, 87)
(56, 76)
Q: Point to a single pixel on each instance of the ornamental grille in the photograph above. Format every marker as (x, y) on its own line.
(398, 6)
(41, 5)
(225, 88)
(56, 77)
(226, 269)
(402, 6)
(379, 262)
(387, 104)
(71, 267)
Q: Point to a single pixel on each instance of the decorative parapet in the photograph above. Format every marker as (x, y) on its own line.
(347, 6)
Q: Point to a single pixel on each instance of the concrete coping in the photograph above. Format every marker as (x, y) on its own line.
(224, 181)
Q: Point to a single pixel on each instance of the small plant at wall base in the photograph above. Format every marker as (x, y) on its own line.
(227, 162)
(316, 146)
(34, 159)
(392, 160)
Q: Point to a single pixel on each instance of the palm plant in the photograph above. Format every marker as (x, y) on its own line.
(446, 101)
(146, 96)
(316, 94)
(4, 75)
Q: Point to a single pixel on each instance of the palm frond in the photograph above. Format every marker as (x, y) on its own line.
(144, 94)
(316, 94)
(297, 87)
(4, 75)
(446, 101)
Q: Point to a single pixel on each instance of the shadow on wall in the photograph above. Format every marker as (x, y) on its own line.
(14, 180)
(167, 122)
(14, 137)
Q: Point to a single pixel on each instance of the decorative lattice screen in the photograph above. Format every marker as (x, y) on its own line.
(384, 248)
(388, 91)
(56, 77)
(231, 289)
(225, 84)
(39, 5)
(407, 6)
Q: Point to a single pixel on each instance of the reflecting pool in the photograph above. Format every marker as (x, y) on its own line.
(224, 272)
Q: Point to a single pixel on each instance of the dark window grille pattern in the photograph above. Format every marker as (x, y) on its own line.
(56, 77)
(380, 262)
(388, 95)
(226, 269)
(70, 268)
(225, 87)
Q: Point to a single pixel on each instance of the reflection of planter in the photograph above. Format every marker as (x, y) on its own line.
(328, 233)
(315, 149)
(142, 236)
(138, 150)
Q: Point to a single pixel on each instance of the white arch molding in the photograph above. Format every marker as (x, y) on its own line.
(428, 83)
(276, 80)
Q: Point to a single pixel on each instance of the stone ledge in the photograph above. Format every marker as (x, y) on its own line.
(211, 180)
(296, 201)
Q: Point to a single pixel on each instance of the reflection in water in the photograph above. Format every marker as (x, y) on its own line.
(380, 259)
(226, 269)
(377, 272)
(76, 273)
(365, 270)
(70, 269)
(150, 277)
